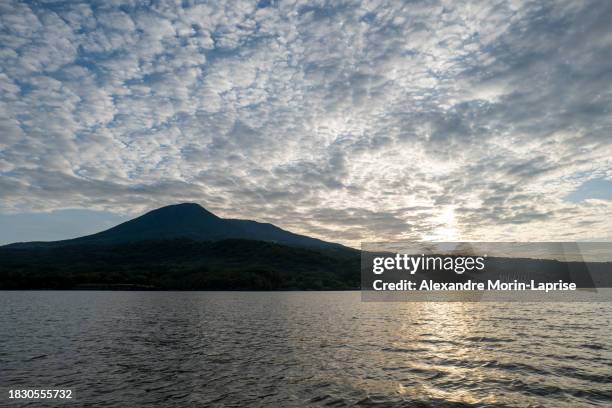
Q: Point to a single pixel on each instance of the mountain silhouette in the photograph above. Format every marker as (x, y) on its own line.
(190, 221)
(186, 247)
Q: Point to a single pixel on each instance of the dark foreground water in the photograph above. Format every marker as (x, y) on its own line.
(303, 349)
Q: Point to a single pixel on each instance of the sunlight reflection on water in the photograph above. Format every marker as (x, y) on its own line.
(304, 348)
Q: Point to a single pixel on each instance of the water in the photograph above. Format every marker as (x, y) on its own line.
(303, 349)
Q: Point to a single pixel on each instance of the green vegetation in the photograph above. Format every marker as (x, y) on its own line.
(181, 264)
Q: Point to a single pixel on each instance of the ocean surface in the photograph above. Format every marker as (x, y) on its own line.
(327, 349)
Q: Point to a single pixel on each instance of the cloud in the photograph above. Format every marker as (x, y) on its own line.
(345, 120)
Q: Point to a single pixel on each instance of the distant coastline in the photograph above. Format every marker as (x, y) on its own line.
(185, 247)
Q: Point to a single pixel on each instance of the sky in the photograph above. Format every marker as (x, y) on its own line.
(347, 121)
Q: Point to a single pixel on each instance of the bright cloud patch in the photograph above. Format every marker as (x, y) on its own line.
(348, 121)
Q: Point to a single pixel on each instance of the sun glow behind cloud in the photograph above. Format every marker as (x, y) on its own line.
(446, 229)
(347, 121)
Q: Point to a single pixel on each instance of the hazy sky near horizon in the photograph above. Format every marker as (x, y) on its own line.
(348, 121)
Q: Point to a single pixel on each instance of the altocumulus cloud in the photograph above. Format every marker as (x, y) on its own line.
(345, 120)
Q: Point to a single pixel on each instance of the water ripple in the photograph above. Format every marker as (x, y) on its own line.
(304, 349)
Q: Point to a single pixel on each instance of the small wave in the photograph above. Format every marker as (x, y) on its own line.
(593, 346)
(439, 374)
(593, 395)
(436, 341)
(573, 372)
(515, 367)
(494, 364)
(37, 357)
(422, 403)
(328, 401)
(484, 339)
(404, 350)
